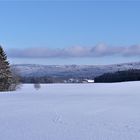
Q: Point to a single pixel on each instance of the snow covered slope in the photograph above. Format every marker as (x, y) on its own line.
(71, 112)
(71, 70)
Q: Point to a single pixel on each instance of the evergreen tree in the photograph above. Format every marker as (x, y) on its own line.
(5, 73)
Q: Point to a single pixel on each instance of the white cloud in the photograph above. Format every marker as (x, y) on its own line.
(76, 51)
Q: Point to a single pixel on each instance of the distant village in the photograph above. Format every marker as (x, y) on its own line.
(72, 80)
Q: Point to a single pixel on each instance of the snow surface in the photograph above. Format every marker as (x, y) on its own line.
(71, 112)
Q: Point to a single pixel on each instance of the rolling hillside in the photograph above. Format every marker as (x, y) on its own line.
(71, 71)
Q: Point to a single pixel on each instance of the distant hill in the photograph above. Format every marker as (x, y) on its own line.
(70, 71)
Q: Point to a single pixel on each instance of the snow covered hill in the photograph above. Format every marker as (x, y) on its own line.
(70, 70)
(71, 112)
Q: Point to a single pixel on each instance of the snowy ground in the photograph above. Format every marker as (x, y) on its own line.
(71, 112)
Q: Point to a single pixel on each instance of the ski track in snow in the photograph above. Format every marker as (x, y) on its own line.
(71, 112)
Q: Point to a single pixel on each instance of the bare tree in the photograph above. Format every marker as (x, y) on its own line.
(37, 86)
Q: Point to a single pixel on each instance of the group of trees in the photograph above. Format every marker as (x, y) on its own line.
(119, 76)
(33, 79)
(8, 80)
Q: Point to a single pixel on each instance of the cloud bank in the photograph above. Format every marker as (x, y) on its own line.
(76, 51)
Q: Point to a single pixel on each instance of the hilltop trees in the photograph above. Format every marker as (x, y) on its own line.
(119, 76)
(6, 77)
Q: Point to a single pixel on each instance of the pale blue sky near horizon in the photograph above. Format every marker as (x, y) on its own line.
(58, 26)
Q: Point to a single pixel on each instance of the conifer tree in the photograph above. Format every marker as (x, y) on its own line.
(5, 73)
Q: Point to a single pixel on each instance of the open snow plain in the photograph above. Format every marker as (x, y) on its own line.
(71, 112)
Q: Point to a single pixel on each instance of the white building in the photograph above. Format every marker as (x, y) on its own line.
(88, 81)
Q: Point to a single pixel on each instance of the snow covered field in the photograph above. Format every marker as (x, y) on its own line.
(71, 112)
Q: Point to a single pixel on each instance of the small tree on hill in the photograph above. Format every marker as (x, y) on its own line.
(6, 78)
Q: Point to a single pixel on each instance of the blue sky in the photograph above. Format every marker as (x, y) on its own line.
(70, 32)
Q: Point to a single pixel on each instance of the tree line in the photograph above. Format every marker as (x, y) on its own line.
(41, 79)
(119, 76)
